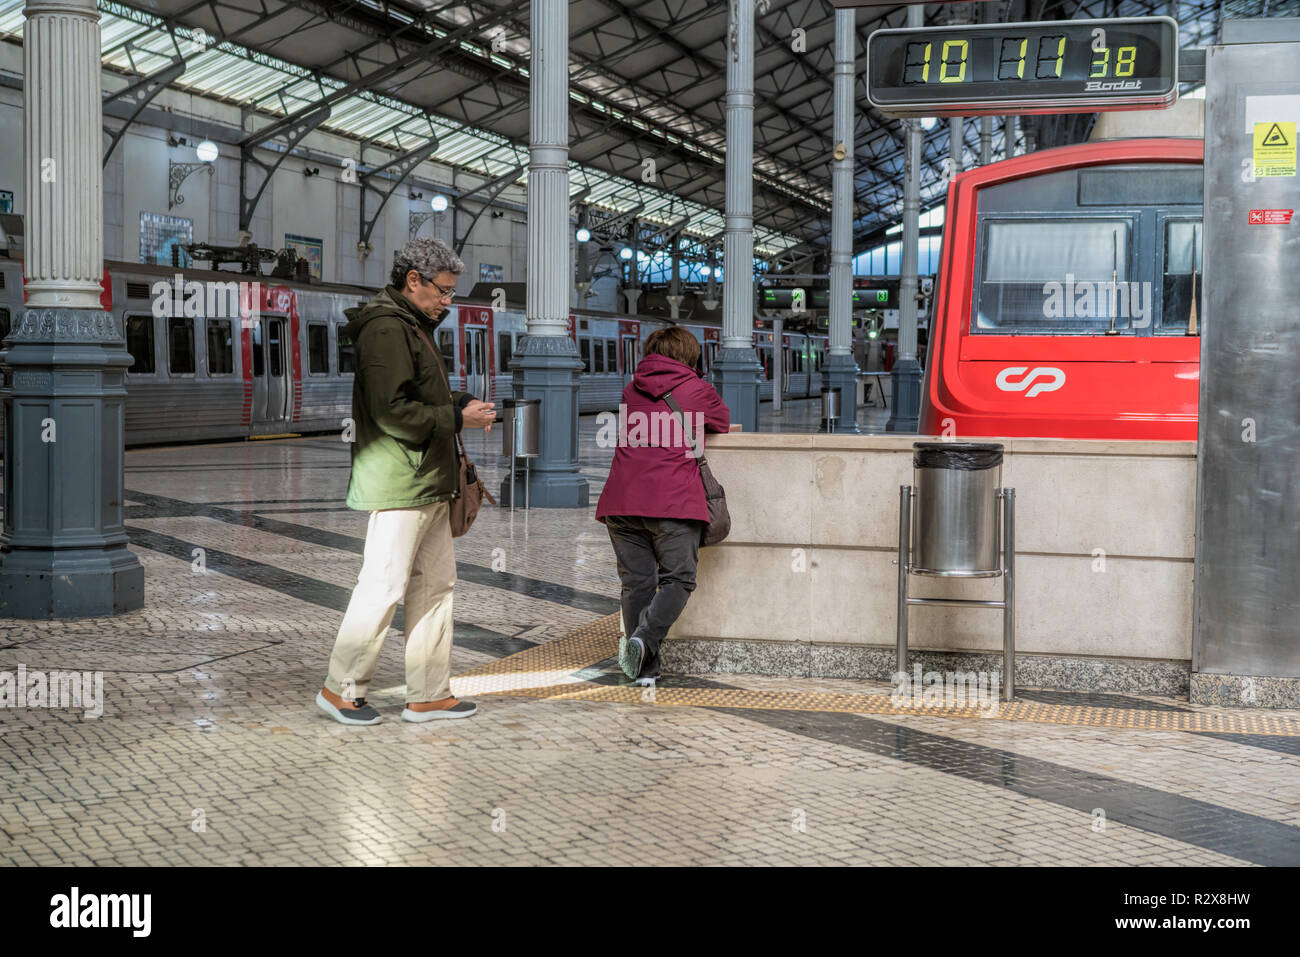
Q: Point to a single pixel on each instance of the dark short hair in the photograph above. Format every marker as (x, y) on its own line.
(675, 343)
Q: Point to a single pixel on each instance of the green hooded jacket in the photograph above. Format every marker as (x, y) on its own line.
(406, 418)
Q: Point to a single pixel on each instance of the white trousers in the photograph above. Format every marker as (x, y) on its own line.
(409, 559)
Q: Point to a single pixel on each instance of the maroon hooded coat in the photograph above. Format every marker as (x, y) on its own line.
(654, 475)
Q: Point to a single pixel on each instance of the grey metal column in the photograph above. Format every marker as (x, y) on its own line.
(906, 413)
(63, 549)
(1246, 607)
(956, 144)
(840, 371)
(986, 140)
(738, 368)
(546, 362)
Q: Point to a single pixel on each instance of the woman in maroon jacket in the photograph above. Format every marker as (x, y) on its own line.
(653, 503)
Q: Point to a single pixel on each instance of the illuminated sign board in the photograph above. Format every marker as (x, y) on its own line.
(878, 293)
(1062, 66)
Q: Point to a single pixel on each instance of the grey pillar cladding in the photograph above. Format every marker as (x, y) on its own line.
(906, 413)
(737, 367)
(546, 363)
(840, 371)
(63, 548)
(1247, 604)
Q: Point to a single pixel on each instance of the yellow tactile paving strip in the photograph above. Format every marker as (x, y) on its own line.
(548, 671)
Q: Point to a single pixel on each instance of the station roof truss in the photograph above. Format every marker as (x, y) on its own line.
(647, 95)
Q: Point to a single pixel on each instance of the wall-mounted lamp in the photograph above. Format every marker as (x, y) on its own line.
(207, 152)
(584, 235)
(625, 252)
(928, 122)
(438, 203)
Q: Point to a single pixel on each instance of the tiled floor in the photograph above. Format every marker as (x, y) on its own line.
(210, 749)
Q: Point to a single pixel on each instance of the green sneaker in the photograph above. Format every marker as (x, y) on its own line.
(631, 657)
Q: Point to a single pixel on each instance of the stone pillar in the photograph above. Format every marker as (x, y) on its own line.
(63, 549)
(905, 413)
(546, 363)
(840, 371)
(738, 368)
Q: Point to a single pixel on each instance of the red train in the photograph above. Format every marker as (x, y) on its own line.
(1069, 296)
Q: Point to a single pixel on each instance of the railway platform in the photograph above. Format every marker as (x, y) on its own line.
(210, 750)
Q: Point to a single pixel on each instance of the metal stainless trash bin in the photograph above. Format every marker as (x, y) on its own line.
(830, 408)
(521, 439)
(956, 522)
(955, 516)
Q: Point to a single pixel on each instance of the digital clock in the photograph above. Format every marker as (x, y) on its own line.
(1062, 66)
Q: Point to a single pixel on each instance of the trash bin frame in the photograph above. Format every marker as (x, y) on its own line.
(1007, 536)
(511, 421)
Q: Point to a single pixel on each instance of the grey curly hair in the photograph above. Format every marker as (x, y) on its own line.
(428, 257)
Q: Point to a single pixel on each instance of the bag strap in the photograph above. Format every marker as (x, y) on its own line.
(437, 360)
(681, 417)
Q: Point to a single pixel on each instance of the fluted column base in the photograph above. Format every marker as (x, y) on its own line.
(905, 416)
(841, 372)
(63, 549)
(736, 376)
(546, 368)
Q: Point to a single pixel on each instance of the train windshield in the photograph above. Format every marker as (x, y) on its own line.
(1059, 276)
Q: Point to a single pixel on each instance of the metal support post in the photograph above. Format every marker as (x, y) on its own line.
(904, 553)
(1008, 594)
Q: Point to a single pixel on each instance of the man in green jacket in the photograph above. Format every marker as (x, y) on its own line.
(405, 471)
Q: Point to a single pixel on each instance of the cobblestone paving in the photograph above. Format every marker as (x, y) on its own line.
(211, 751)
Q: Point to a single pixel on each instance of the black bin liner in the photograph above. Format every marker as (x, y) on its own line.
(963, 456)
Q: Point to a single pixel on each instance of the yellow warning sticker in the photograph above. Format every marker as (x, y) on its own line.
(1275, 149)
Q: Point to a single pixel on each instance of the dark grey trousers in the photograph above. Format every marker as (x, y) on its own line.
(656, 564)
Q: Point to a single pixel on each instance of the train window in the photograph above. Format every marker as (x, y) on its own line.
(4, 323)
(447, 346)
(180, 345)
(504, 352)
(584, 349)
(318, 349)
(275, 347)
(221, 347)
(259, 351)
(629, 355)
(139, 342)
(347, 353)
(611, 355)
(597, 355)
(1049, 277)
(1182, 271)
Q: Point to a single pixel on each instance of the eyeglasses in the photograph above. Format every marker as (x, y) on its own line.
(447, 294)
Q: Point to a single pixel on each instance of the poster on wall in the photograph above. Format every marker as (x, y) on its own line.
(159, 234)
(490, 273)
(6, 201)
(307, 248)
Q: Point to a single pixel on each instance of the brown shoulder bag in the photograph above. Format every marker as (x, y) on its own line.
(469, 499)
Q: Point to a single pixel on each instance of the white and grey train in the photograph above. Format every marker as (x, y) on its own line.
(271, 358)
